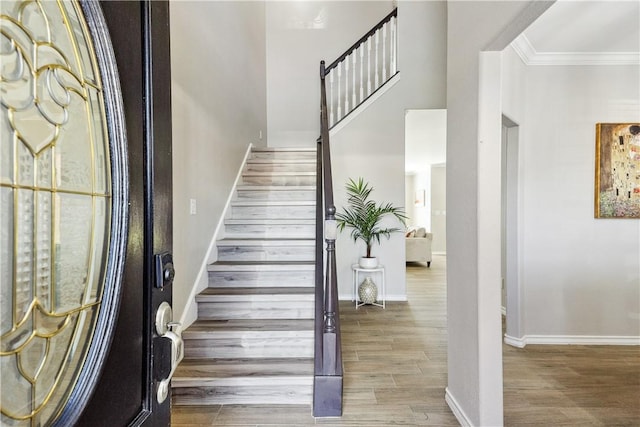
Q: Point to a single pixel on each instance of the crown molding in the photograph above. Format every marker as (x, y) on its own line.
(530, 56)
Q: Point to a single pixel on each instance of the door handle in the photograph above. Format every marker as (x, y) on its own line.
(167, 328)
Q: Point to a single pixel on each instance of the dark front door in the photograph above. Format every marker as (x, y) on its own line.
(86, 333)
(139, 359)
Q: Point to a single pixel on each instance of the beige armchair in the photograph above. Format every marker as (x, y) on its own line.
(418, 246)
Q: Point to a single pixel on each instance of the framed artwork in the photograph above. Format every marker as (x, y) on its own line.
(419, 198)
(617, 183)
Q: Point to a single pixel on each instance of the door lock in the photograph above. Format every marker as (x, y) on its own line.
(164, 270)
(168, 329)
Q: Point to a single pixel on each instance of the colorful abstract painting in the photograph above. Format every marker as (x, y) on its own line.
(617, 184)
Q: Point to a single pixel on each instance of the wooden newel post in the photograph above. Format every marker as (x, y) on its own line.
(329, 330)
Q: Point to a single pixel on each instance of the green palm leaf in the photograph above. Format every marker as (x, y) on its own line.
(363, 215)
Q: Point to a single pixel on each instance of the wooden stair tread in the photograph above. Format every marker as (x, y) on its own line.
(244, 329)
(265, 202)
(248, 187)
(252, 324)
(282, 149)
(258, 291)
(272, 241)
(283, 161)
(270, 221)
(209, 369)
(261, 265)
(284, 173)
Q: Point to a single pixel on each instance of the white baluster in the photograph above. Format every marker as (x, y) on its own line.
(331, 119)
(339, 116)
(354, 100)
(369, 66)
(377, 58)
(394, 51)
(346, 86)
(361, 72)
(384, 53)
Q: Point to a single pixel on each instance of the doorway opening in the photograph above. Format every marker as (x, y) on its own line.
(511, 293)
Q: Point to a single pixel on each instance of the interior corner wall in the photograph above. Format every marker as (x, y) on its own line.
(299, 34)
(471, 27)
(218, 65)
(372, 145)
(580, 275)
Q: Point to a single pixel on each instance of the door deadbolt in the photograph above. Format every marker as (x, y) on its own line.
(164, 270)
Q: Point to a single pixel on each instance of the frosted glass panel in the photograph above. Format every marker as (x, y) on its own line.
(56, 202)
(6, 259)
(73, 239)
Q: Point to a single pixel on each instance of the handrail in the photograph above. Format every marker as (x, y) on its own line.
(393, 14)
(327, 395)
(327, 383)
(362, 70)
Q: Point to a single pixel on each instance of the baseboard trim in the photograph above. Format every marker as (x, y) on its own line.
(571, 340)
(394, 298)
(458, 412)
(514, 342)
(190, 313)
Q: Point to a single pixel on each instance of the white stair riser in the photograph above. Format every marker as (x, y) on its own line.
(278, 179)
(270, 231)
(266, 212)
(280, 167)
(268, 253)
(244, 395)
(292, 194)
(249, 348)
(284, 155)
(255, 279)
(255, 310)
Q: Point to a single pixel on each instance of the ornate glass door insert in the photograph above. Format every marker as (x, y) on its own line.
(62, 206)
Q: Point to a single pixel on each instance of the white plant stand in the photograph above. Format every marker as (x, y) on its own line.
(382, 290)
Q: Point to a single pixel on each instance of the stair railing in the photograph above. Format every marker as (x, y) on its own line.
(380, 44)
(363, 69)
(327, 392)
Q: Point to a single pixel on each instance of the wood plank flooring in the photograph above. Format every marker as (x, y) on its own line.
(395, 364)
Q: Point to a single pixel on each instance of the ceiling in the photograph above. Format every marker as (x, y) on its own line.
(570, 32)
(575, 32)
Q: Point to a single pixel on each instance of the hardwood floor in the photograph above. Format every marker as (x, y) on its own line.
(572, 385)
(395, 363)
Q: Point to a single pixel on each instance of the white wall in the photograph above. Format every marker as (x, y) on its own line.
(474, 389)
(372, 145)
(580, 275)
(439, 208)
(219, 106)
(299, 34)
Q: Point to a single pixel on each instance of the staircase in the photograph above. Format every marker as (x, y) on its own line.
(253, 340)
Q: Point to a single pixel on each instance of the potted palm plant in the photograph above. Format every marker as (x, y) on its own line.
(363, 216)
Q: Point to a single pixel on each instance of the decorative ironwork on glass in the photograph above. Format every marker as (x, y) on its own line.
(55, 205)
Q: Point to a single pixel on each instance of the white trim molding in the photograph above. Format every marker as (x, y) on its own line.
(458, 412)
(530, 56)
(514, 342)
(571, 340)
